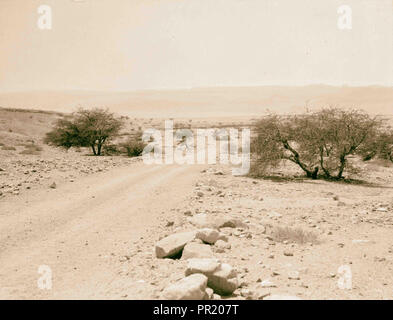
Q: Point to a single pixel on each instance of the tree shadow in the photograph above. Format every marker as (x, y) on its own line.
(304, 179)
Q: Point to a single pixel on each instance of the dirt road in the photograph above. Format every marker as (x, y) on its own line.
(80, 229)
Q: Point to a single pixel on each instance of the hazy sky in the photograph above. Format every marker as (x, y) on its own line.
(140, 44)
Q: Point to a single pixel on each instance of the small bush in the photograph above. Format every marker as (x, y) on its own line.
(8, 148)
(33, 147)
(294, 235)
(111, 150)
(134, 148)
(30, 152)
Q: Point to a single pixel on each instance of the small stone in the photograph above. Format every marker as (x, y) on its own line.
(293, 275)
(247, 293)
(209, 294)
(53, 185)
(267, 284)
(169, 224)
(288, 253)
(220, 244)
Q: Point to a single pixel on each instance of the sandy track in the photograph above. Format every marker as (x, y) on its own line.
(77, 228)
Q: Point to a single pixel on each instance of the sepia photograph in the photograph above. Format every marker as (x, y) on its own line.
(213, 150)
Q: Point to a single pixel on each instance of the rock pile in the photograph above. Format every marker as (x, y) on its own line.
(206, 277)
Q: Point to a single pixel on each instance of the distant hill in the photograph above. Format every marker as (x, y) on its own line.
(208, 102)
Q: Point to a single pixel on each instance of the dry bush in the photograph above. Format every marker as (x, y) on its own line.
(320, 143)
(8, 148)
(294, 235)
(134, 145)
(31, 149)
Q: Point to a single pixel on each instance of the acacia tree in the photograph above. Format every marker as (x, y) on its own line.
(341, 134)
(285, 138)
(86, 128)
(319, 143)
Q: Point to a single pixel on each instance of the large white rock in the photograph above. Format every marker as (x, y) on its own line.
(197, 250)
(204, 266)
(172, 245)
(192, 287)
(208, 235)
(224, 280)
(202, 220)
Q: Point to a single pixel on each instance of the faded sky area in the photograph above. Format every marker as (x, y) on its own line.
(165, 44)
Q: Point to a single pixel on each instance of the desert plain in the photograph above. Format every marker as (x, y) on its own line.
(96, 221)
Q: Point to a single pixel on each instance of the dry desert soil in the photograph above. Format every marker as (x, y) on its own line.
(95, 222)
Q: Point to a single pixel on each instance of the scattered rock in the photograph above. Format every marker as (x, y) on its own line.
(224, 280)
(201, 220)
(204, 266)
(208, 235)
(188, 213)
(293, 275)
(169, 224)
(247, 293)
(196, 250)
(274, 214)
(357, 241)
(268, 284)
(221, 245)
(192, 287)
(172, 245)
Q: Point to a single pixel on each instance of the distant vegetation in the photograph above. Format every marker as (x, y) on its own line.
(320, 143)
(134, 145)
(96, 129)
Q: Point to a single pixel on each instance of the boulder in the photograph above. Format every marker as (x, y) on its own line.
(224, 280)
(204, 266)
(202, 220)
(192, 287)
(197, 250)
(172, 245)
(208, 235)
